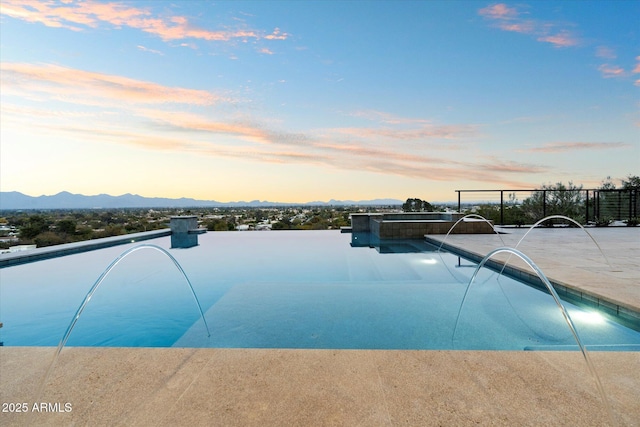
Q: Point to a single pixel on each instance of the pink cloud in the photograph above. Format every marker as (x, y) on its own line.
(89, 87)
(557, 147)
(498, 11)
(195, 122)
(34, 11)
(513, 167)
(326, 150)
(637, 67)
(145, 49)
(90, 14)
(384, 117)
(562, 39)
(605, 52)
(383, 150)
(277, 35)
(419, 133)
(396, 128)
(284, 148)
(527, 27)
(609, 71)
(558, 34)
(509, 19)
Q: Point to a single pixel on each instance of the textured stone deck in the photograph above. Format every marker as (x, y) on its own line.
(237, 387)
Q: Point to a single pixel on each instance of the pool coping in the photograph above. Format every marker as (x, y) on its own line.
(570, 291)
(48, 252)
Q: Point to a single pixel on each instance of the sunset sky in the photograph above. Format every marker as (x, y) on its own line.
(302, 101)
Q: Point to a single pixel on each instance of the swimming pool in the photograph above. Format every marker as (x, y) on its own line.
(288, 289)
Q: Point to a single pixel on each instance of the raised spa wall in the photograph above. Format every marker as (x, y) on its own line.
(415, 225)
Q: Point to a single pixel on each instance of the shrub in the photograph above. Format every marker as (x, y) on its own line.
(603, 222)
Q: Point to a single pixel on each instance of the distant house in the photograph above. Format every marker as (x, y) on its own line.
(20, 248)
(242, 227)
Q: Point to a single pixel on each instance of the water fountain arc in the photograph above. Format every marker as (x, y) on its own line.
(94, 288)
(558, 302)
(111, 266)
(462, 219)
(558, 217)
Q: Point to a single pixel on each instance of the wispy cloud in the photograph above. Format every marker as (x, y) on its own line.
(605, 52)
(89, 14)
(558, 34)
(424, 132)
(509, 166)
(276, 35)
(561, 39)
(499, 11)
(133, 112)
(387, 118)
(186, 121)
(91, 88)
(327, 147)
(146, 49)
(609, 71)
(393, 127)
(511, 19)
(557, 147)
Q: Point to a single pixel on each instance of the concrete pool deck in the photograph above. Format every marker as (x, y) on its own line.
(245, 387)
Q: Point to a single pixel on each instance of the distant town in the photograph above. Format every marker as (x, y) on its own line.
(23, 229)
(26, 228)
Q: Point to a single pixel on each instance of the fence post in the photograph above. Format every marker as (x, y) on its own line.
(501, 207)
(458, 191)
(544, 203)
(619, 205)
(586, 218)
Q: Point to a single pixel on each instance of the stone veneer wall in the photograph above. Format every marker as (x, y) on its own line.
(417, 229)
(416, 225)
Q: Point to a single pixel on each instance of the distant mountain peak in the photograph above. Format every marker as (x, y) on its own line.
(11, 200)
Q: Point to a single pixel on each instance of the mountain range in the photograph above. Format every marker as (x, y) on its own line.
(13, 200)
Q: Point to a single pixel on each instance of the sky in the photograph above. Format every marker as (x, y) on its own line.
(297, 101)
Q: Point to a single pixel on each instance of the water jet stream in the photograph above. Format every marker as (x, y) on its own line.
(93, 289)
(556, 298)
(558, 217)
(462, 219)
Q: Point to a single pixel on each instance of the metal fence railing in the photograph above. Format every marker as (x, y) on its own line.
(519, 207)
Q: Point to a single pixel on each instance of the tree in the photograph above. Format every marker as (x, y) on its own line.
(417, 205)
(283, 224)
(608, 201)
(67, 226)
(35, 225)
(558, 199)
(607, 184)
(48, 238)
(631, 183)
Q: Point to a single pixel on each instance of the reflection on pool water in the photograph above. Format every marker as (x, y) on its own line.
(288, 289)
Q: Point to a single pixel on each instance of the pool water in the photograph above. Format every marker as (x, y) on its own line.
(288, 289)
